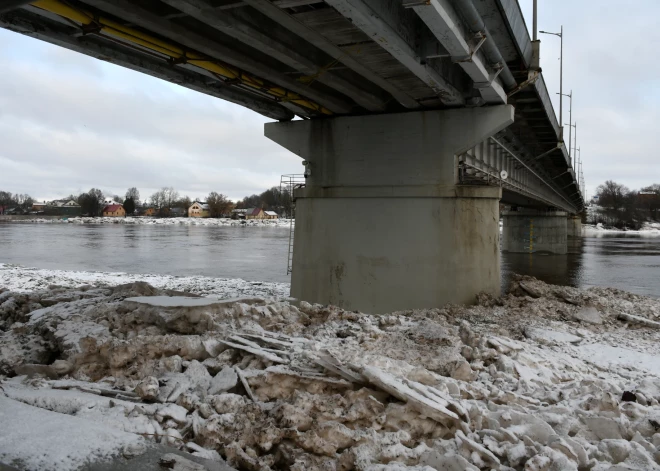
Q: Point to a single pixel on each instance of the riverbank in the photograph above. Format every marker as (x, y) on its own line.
(648, 229)
(25, 279)
(544, 378)
(143, 220)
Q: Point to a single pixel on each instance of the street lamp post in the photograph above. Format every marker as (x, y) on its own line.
(570, 120)
(561, 78)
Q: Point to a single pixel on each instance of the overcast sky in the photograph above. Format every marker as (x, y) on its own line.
(69, 122)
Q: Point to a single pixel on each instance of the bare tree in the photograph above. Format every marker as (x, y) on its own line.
(157, 200)
(170, 197)
(117, 199)
(218, 204)
(134, 194)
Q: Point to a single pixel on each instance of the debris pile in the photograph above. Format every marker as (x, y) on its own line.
(545, 378)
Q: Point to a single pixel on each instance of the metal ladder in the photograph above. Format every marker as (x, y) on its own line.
(289, 183)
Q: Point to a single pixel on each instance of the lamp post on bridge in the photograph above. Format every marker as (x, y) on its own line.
(561, 79)
(570, 120)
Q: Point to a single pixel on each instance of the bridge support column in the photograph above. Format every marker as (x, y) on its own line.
(381, 224)
(574, 227)
(532, 231)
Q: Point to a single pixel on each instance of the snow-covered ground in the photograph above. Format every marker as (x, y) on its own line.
(546, 378)
(162, 221)
(24, 279)
(648, 229)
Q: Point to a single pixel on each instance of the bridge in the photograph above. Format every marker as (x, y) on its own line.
(416, 118)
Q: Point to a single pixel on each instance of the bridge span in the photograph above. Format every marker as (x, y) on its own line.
(417, 118)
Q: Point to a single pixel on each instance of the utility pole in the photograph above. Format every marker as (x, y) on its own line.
(561, 79)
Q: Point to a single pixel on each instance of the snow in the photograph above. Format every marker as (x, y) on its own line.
(178, 301)
(23, 279)
(144, 220)
(283, 384)
(649, 229)
(37, 439)
(610, 357)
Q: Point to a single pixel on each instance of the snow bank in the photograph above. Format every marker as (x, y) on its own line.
(23, 279)
(163, 221)
(545, 378)
(648, 229)
(47, 441)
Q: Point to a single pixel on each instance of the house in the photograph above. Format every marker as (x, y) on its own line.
(199, 209)
(238, 213)
(270, 215)
(254, 213)
(64, 203)
(114, 210)
(150, 211)
(38, 206)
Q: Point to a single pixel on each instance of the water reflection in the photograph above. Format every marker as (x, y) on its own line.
(626, 261)
(555, 269)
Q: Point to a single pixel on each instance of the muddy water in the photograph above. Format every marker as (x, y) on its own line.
(629, 262)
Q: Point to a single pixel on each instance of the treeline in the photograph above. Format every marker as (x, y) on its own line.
(12, 201)
(165, 202)
(272, 199)
(618, 206)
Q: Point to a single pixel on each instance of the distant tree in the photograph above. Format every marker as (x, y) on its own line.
(134, 194)
(6, 198)
(218, 203)
(156, 200)
(184, 202)
(170, 197)
(117, 199)
(91, 203)
(612, 195)
(129, 206)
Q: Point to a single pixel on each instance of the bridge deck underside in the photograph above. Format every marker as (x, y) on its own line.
(317, 59)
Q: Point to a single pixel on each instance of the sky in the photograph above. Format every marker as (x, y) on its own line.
(69, 122)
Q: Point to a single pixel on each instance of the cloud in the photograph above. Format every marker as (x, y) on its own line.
(69, 122)
(609, 64)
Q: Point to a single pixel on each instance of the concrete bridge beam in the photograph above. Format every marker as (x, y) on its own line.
(532, 231)
(382, 224)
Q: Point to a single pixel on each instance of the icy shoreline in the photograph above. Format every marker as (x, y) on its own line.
(546, 378)
(25, 279)
(649, 229)
(150, 221)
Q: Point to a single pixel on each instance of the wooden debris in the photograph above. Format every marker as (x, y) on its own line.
(639, 320)
(424, 405)
(529, 290)
(330, 364)
(245, 384)
(256, 351)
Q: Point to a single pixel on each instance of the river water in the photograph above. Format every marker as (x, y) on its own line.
(625, 261)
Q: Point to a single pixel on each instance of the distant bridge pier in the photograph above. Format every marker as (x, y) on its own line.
(574, 226)
(382, 224)
(534, 231)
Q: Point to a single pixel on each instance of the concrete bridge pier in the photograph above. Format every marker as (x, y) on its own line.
(533, 231)
(382, 224)
(574, 227)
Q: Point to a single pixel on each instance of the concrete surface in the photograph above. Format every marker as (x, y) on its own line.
(530, 231)
(573, 227)
(382, 224)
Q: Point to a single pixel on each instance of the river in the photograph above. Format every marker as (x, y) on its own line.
(626, 261)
